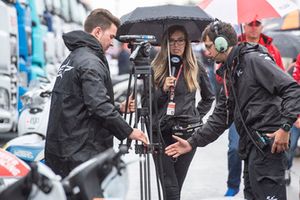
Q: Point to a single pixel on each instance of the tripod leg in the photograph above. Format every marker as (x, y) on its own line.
(141, 178)
(145, 178)
(128, 142)
(146, 165)
(148, 175)
(157, 156)
(128, 93)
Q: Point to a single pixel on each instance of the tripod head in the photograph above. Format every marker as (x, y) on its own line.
(140, 53)
(140, 46)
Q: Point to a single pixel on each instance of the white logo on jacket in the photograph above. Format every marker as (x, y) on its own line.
(266, 56)
(271, 198)
(239, 72)
(64, 68)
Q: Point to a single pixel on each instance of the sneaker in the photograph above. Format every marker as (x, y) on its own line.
(231, 192)
(287, 177)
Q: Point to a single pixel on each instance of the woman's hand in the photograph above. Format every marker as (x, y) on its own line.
(169, 82)
(131, 105)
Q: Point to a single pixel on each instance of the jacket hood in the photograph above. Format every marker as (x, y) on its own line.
(76, 39)
(263, 39)
(238, 51)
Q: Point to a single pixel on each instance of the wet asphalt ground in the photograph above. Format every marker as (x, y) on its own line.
(207, 176)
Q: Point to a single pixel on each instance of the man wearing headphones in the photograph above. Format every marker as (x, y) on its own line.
(261, 100)
(252, 33)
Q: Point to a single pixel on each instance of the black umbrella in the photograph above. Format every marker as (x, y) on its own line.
(156, 19)
(287, 43)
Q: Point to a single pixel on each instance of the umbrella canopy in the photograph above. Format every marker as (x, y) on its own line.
(155, 21)
(11, 166)
(287, 43)
(241, 11)
(291, 21)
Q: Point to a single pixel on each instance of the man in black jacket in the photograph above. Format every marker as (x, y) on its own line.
(83, 118)
(261, 100)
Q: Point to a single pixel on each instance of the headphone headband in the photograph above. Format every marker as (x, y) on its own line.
(215, 27)
(220, 41)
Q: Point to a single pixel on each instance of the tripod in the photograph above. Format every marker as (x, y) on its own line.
(142, 70)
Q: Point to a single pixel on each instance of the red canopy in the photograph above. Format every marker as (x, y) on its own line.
(241, 11)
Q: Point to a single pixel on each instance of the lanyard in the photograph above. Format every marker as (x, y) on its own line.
(225, 85)
(227, 97)
(179, 72)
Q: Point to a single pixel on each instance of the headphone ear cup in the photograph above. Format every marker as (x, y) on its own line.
(221, 44)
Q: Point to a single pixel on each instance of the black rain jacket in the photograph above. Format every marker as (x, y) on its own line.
(83, 118)
(267, 98)
(185, 100)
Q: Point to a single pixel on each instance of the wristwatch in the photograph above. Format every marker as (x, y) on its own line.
(286, 127)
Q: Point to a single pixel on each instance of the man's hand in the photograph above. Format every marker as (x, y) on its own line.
(281, 141)
(137, 134)
(297, 123)
(169, 82)
(180, 147)
(131, 105)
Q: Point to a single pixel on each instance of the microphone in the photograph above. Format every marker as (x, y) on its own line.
(128, 38)
(176, 61)
(173, 74)
(173, 70)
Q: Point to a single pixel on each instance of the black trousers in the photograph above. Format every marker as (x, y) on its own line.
(264, 175)
(60, 166)
(174, 170)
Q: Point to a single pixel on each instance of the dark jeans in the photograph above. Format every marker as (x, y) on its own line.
(264, 176)
(212, 78)
(234, 161)
(294, 136)
(174, 171)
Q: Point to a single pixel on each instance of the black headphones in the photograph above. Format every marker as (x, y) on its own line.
(220, 42)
